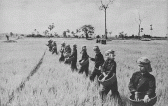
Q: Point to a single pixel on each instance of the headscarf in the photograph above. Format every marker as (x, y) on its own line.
(144, 61)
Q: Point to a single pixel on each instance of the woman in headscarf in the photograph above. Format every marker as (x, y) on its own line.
(142, 84)
(99, 60)
(67, 53)
(54, 49)
(109, 70)
(50, 44)
(84, 62)
(62, 58)
(74, 58)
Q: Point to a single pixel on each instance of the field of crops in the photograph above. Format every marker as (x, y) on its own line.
(54, 84)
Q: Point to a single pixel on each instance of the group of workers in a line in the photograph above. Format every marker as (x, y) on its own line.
(141, 82)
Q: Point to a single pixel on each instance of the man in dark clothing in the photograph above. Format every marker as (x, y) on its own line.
(85, 58)
(67, 54)
(62, 51)
(109, 70)
(54, 49)
(99, 60)
(142, 84)
(74, 56)
(50, 45)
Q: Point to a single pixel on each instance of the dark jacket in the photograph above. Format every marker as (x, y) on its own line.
(49, 44)
(62, 50)
(109, 67)
(74, 54)
(143, 83)
(84, 56)
(99, 60)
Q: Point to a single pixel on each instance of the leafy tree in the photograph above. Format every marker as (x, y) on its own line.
(50, 27)
(55, 34)
(121, 35)
(77, 30)
(64, 34)
(73, 33)
(132, 36)
(68, 31)
(87, 29)
(46, 32)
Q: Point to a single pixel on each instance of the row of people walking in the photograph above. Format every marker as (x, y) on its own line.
(142, 84)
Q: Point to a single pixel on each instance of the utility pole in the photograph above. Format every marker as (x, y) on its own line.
(139, 21)
(105, 23)
(104, 7)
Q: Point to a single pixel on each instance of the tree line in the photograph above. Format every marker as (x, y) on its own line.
(87, 31)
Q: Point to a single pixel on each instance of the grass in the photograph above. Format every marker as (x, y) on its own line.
(54, 84)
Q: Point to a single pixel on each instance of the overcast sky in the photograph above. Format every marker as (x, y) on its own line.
(23, 16)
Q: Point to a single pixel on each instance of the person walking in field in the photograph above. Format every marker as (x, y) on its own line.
(7, 37)
(84, 61)
(50, 44)
(108, 70)
(67, 54)
(74, 58)
(99, 60)
(62, 58)
(142, 84)
(54, 49)
(67, 51)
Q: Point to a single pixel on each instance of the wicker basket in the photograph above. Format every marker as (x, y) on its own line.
(107, 82)
(66, 55)
(70, 59)
(141, 102)
(83, 63)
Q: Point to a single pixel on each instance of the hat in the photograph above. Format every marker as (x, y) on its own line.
(63, 44)
(68, 46)
(143, 60)
(75, 45)
(96, 48)
(83, 47)
(50, 40)
(110, 51)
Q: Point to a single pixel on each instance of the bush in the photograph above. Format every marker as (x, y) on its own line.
(33, 35)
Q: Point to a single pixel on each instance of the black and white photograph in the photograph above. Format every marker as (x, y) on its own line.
(83, 52)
